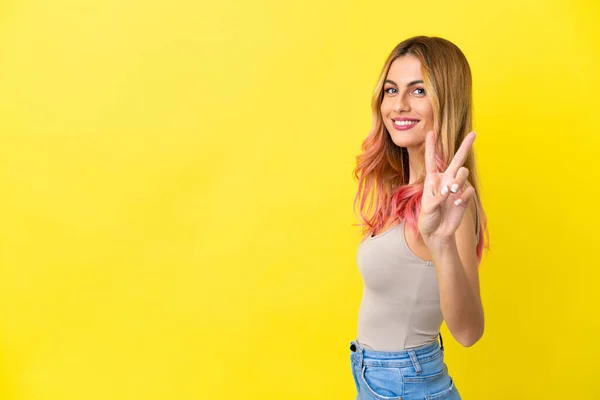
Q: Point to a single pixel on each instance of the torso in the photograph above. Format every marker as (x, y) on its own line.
(415, 243)
(400, 307)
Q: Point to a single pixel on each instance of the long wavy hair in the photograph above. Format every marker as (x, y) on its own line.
(382, 169)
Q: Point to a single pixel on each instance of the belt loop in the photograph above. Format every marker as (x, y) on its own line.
(441, 342)
(358, 353)
(415, 361)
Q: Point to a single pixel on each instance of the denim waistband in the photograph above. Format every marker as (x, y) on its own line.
(414, 356)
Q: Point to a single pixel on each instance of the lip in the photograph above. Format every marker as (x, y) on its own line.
(405, 127)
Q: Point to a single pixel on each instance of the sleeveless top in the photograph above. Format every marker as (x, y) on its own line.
(400, 307)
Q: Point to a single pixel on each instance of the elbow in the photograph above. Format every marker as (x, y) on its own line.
(468, 341)
(469, 338)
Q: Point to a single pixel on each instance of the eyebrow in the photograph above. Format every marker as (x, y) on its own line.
(409, 84)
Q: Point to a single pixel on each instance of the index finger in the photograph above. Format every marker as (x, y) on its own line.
(461, 155)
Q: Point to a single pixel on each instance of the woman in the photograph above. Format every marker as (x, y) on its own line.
(424, 228)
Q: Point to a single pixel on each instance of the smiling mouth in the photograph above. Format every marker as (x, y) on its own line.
(405, 123)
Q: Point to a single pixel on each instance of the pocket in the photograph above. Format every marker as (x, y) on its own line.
(382, 383)
(431, 371)
(414, 378)
(448, 393)
(433, 383)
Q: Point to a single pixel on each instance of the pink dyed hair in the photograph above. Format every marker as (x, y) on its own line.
(382, 169)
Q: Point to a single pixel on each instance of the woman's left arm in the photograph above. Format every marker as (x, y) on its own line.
(447, 225)
(457, 270)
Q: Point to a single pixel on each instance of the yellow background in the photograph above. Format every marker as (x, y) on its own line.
(176, 194)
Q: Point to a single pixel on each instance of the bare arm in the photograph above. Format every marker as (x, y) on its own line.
(447, 225)
(457, 272)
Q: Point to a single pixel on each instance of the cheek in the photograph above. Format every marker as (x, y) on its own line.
(385, 107)
(385, 111)
(426, 112)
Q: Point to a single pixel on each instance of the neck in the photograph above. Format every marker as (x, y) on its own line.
(415, 164)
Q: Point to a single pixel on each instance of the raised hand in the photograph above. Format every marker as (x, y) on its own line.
(446, 195)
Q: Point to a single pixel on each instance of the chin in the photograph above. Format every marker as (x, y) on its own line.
(402, 139)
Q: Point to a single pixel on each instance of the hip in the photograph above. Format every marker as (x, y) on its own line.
(417, 373)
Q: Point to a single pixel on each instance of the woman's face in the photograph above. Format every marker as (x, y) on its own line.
(406, 110)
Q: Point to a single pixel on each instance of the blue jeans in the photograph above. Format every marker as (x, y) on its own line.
(418, 373)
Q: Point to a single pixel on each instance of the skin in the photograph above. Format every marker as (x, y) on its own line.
(446, 229)
(404, 96)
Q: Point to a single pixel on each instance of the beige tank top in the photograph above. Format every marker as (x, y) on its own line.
(400, 307)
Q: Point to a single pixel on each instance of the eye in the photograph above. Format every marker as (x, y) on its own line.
(391, 90)
(419, 92)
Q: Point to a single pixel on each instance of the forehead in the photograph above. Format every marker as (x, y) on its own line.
(405, 69)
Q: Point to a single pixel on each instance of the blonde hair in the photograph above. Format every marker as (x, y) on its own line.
(382, 169)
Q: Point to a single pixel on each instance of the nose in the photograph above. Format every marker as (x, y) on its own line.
(401, 104)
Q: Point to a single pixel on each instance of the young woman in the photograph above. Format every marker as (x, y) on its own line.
(423, 224)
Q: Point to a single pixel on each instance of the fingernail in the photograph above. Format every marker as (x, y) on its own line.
(458, 202)
(454, 188)
(445, 189)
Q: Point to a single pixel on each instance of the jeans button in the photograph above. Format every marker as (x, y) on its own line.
(353, 347)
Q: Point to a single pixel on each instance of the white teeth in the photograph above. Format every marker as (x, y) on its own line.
(403, 123)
